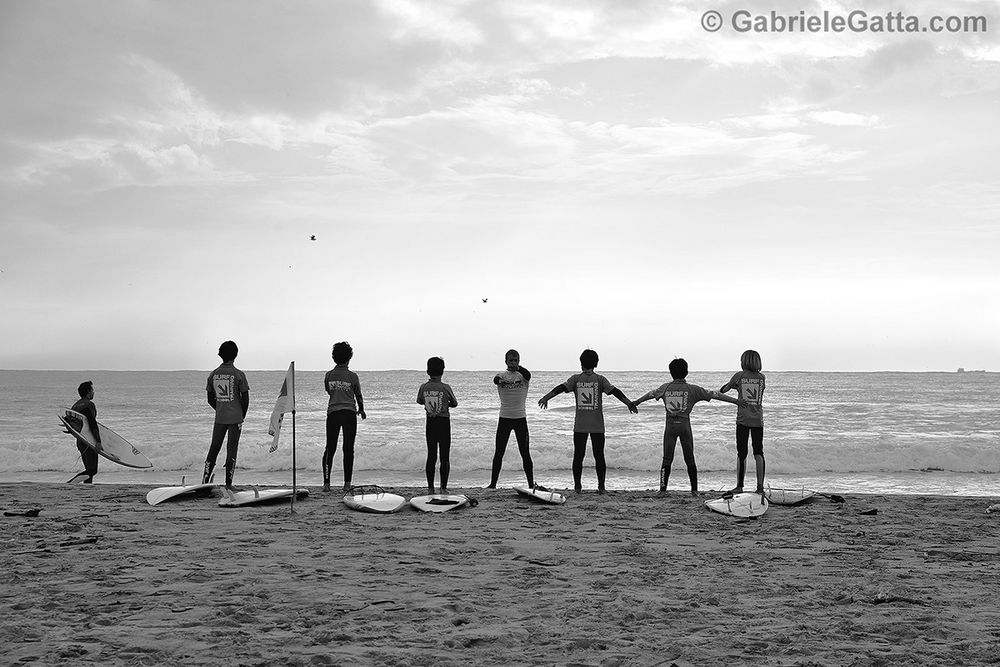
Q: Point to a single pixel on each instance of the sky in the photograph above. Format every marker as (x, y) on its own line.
(481, 175)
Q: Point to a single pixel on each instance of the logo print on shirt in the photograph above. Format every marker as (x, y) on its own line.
(586, 396)
(434, 402)
(224, 388)
(675, 401)
(750, 390)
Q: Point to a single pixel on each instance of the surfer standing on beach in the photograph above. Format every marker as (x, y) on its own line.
(229, 395)
(749, 418)
(346, 403)
(437, 397)
(588, 388)
(512, 386)
(88, 409)
(678, 399)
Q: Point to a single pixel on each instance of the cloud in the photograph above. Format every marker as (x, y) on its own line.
(445, 22)
(843, 118)
(892, 58)
(155, 133)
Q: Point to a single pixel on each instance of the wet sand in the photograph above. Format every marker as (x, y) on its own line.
(101, 577)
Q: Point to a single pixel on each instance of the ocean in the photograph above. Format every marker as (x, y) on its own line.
(880, 432)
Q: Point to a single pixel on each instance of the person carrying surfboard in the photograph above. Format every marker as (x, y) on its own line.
(512, 386)
(87, 408)
(346, 403)
(437, 397)
(749, 418)
(679, 399)
(588, 388)
(229, 395)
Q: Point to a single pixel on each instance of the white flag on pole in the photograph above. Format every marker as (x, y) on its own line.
(285, 403)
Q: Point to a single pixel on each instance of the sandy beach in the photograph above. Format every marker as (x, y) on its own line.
(101, 577)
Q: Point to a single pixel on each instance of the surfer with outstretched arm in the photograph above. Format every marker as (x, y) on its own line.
(346, 403)
(229, 395)
(512, 387)
(588, 388)
(678, 399)
(87, 408)
(749, 418)
(437, 397)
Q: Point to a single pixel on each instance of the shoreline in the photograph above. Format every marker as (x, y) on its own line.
(314, 487)
(101, 577)
(911, 483)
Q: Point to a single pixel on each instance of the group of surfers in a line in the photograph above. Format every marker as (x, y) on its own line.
(228, 394)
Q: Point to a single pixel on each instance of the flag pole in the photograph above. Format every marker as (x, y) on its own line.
(294, 488)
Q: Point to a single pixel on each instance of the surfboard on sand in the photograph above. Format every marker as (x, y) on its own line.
(374, 499)
(788, 496)
(162, 493)
(440, 502)
(740, 505)
(257, 496)
(542, 494)
(113, 446)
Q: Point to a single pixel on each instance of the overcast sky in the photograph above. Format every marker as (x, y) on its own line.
(607, 174)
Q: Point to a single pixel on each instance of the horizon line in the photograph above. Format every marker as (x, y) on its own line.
(961, 371)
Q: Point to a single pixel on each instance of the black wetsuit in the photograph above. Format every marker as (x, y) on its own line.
(674, 430)
(597, 441)
(438, 434)
(514, 403)
(335, 421)
(86, 407)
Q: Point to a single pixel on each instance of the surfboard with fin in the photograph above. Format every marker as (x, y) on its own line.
(372, 498)
(743, 505)
(113, 447)
(788, 497)
(164, 493)
(257, 496)
(441, 502)
(541, 494)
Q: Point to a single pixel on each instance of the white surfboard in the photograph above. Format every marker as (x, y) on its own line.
(439, 502)
(544, 495)
(374, 499)
(788, 496)
(740, 504)
(257, 496)
(113, 446)
(162, 493)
